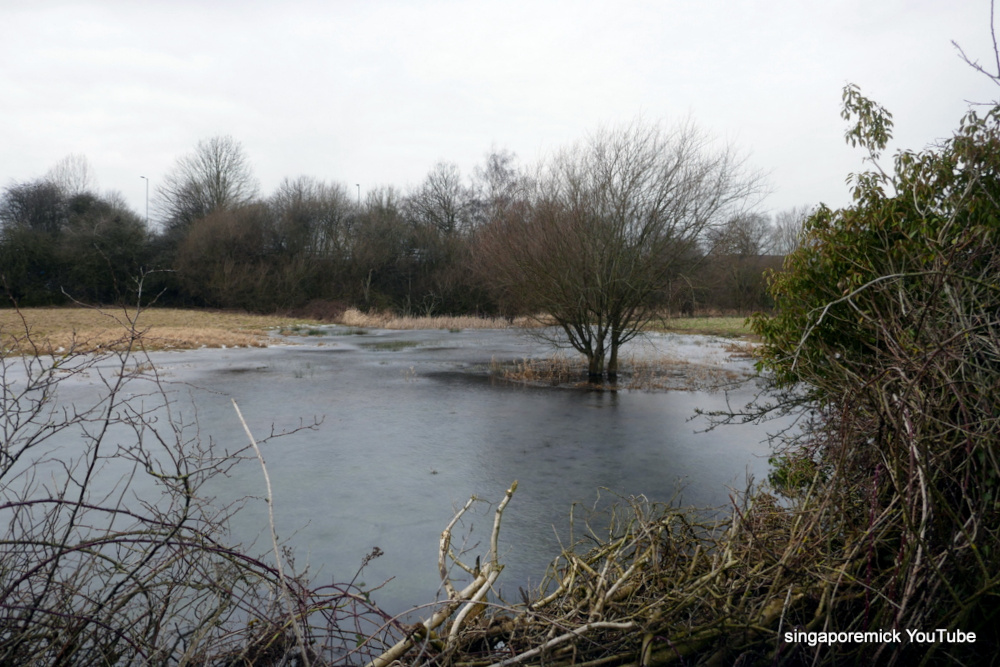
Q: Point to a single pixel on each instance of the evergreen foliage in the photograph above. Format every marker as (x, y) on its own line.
(887, 323)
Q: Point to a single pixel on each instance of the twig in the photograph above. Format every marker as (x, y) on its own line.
(300, 638)
(555, 641)
(471, 595)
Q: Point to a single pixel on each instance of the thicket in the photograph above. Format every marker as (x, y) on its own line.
(887, 326)
(54, 243)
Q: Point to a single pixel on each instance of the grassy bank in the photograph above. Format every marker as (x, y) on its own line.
(57, 330)
(728, 326)
(386, 320)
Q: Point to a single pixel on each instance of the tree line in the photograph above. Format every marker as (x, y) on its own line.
(218, 241)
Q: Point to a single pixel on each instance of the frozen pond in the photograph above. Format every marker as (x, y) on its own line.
(413, 426)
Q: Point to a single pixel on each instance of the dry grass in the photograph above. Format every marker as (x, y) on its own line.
(729, 326)
(658, 585)
(57, 330)
(740, 350)
(355, 318)
(726, 326)
(660, 373)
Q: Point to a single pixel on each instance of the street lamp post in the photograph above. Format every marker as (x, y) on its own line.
(147, 199)
(359, 193)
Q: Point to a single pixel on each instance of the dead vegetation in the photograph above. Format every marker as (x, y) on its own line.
(654, 584)
(61, 330)
(661, 585)
(387, 320)
(728, 326)
(637, 372)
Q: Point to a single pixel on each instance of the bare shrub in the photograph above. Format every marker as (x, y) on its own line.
(111, 551)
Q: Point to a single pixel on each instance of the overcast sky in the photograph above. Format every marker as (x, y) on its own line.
(376, 92)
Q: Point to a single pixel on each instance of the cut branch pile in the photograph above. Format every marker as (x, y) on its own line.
(662, 585)
(667, 585)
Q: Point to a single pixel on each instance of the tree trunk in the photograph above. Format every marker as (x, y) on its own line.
(595, 366)
(613, 363)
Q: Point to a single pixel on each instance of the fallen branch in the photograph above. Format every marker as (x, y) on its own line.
(470, 596)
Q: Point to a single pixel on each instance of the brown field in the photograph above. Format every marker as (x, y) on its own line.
(729, 326)
(60, 330)
(732, 326)
(355, 318)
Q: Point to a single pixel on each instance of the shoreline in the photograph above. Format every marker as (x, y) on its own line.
(61, 330)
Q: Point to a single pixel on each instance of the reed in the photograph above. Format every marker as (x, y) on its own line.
(386, 320)
(637, 372)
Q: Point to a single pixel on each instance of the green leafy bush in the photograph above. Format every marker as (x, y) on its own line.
(888, 325)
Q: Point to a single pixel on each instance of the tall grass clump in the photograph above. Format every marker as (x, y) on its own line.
(638, 372)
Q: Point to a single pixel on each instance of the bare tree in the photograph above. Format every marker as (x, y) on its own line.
(609, 223)
(738, 253)
(441, 201)
(216, 176)
(496, 186)
(381, 248)
(72, 175)
(745, 235)
(788, 229)
(313, 217)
